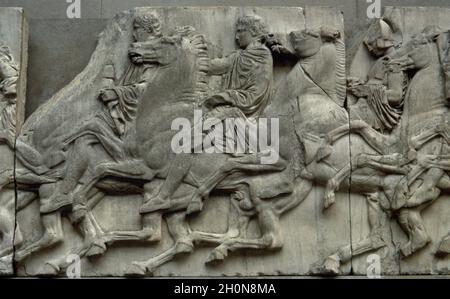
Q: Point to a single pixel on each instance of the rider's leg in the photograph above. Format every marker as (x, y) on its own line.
(411, 222)
(177, 172)
(77, 163)
(428, 190)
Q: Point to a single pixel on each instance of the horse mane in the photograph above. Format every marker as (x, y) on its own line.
(341, 77)
(191, 40)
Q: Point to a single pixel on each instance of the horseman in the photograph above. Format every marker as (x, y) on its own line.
(386, 82)
(112, 127)
(248, 76)
(8, 97)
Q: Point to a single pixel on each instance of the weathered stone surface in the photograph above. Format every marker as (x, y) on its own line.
(13, 65)
(69, 109)
(361, 152)
(398, 104)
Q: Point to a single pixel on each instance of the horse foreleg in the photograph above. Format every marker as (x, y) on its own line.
(53, 234)
(181, 233)
(271, 238)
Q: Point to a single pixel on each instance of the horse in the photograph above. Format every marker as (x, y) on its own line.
(184, 61)
(402, 189)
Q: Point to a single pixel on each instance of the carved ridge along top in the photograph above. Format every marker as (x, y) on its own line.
(99, 159)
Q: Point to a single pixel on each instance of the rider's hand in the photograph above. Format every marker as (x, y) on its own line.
(360, 91)
(107, 95)
(214, 101)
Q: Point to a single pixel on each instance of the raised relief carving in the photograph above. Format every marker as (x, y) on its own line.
(9, 75)
(146, 149)
(403, 138)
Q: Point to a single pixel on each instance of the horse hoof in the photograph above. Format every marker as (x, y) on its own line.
(136, 270)
(49, 269)
(216, 256)
(194, 207)
(96, 250)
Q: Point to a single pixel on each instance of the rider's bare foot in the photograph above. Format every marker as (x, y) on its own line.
(329, 195)
(196, 204)
(444, 248)
(156, 203)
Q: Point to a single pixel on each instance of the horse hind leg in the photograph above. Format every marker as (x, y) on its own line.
(411, 222)
(378, 237)
(53, 234)
(271, 238)
(181, 233)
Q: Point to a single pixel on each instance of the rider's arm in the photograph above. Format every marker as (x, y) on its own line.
(394, 90)
(219, 66)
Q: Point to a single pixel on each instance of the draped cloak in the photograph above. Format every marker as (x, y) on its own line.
(248, 86)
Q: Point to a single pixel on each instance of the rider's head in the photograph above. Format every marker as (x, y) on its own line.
(250, 29)
(146, 27)
(419, 50)
(8, 75)
(380, 38)
(306, 42)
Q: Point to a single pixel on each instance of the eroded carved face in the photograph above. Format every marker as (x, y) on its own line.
(304, 44)
(379, 46)
(243, 37)
(420, 52)
(141, 34)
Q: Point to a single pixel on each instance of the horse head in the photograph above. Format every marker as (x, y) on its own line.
(8, 74)
(425, 48)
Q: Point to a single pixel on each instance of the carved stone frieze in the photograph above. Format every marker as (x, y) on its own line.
(234, 141)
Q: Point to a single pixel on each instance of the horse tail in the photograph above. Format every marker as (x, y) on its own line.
(341, 79)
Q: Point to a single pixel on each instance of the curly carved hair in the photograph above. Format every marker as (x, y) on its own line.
(255, 24)
(150, 22)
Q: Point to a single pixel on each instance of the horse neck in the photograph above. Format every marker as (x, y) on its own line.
(183, 81)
